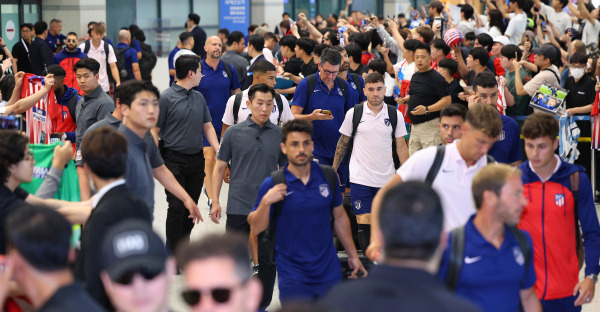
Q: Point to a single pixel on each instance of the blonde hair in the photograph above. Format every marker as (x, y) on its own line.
(491, 178)
(99, 28)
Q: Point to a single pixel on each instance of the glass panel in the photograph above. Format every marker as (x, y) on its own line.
(146, 13)
(10, 24)
(308, 7)
(209, 14)
(31, 13)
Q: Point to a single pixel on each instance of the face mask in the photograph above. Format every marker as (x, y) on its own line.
(577, 73)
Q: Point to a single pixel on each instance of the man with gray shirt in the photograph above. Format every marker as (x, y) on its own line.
(236, 46)
(182, 111)
(93, 106)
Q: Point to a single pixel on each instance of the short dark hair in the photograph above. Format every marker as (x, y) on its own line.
(509, 51)
(374, 78)
(564, 3)
(440, 44)
(422, 46)
(229, 245)
(480, 54)
(448, 64)
(139, 35)
(28, 25)
(288, 41)
(87, 63)
(578, 58)
(354, 52)
(467, 10)
(437, 5)
(40, 27)
(185, 36)
(453, 110)
(411, 221)
(426, 33)
(539, 125)
(263, 66)
(470, 36)
(235, 36)
(262, 88)
(257, 41)
(56, 70)
(484, 79)
(224, 31)
(185, 63)
(72, 33)
(41, 235)
(194, 18)
(411, 44)
(520, 3)
(104, 150)
(284, 24)
(331, 56)
(285, 14)
(378, 66)
(306, 44)
(360, 39)
(129, 89)
(12, 151)
(485, 40)
(270, 35)
(318, 48)
(7, 86)
(252, 27)
(296, 125)
(333, 36)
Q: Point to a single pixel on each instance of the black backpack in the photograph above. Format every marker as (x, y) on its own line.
(237, 102)
(278, 176)
(148, 61)
(437, 164)
(123, 72)
(72, 106)
(358, 112)
(86, 49)
(312, 82)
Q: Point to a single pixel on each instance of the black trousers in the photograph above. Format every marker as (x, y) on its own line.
(266, 268)
(189, 172)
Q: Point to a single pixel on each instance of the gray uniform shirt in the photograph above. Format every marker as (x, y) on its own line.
(156, 159)
(254, 153)
(183, 114)
(139, 172)
(239, 62)
(91, 108)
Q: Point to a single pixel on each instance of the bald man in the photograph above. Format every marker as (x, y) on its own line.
(131, 68)
(220, 81)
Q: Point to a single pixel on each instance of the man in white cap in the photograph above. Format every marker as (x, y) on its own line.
(499, 43)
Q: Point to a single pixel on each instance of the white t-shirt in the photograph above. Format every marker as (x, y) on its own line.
(100, 56)
(244, 111)
(180, 53)
(390, 84)
(561, 20)
(590, 32)
(516, 28)
(452, 183)
(494, 32)
(408, 69)
(371, 162)
(466, 26)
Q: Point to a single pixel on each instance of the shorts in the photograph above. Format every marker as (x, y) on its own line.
(362, 198)
(424, 135)
(298, 291)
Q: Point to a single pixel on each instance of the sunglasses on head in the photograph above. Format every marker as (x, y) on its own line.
(219, 295)
(147, 273)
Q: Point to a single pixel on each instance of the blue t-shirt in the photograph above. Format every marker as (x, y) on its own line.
(491, 278)
(54, 41)
(136, 46)
(356, 90)
(304, 249)
(130, 58)
(325, 132)
(171, 65)
(216, 88)
(507, 149)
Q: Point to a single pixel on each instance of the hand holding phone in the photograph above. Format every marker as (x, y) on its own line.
(326, 112)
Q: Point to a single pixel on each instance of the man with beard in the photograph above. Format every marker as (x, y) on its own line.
(67, 58)
(356, 93)
(219, 83)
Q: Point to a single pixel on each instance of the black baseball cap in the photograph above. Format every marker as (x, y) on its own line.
(130, 245)
(547, 50)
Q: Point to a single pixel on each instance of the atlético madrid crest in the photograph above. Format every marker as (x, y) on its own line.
(324, 190)
(559, 199)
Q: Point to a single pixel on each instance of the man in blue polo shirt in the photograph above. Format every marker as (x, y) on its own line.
(132, 65)
(356, 82)
(305, 257)
(507, 148)
(497, 269)
(216, 87)
(325, 106)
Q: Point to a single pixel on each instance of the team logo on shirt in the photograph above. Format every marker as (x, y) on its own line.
(340, 92)
(324, 190)
(519, 258)
(64, 115)
(559, 199)
(502, 136)
(387, 122)
(357, 204)
(353, 85)
(225, 74)
(274, 108)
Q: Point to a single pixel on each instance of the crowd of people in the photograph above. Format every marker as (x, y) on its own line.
(415, 155)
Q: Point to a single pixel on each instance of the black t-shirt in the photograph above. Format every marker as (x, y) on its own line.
(40, 56)
(455, 88)
(71, 298)
(581, 93)
(309, 68)
(471, 76)
(9, 202)
(362, 69)
(293, 66)
(20, 52)
(426, 89)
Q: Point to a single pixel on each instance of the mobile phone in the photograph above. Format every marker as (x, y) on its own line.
(326, 112)
(597, 79)
(13, 122)
(543, 25)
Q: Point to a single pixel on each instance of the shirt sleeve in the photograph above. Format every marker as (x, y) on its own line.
(50, 184)
(163, 105)
(111, 55)
(515, 150)
(417, 165)
(133, 58)
(228, 115)
(225, 148)
(154, 156)
(444, 90)
(21, 193)
(590, 227)
(136, 45)
(300, 98)
(104, 110)
(400, 127)
(266, 185)
(235, 80)
(338, 198)
(346, 128)
(286, 115)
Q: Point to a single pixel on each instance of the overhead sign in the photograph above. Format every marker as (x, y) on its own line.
(10, 30)
(234, 15)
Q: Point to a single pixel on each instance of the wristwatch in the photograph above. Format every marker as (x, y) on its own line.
(426, 110)
(593, 277)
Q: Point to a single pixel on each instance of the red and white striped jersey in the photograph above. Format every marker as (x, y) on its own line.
(39, 126)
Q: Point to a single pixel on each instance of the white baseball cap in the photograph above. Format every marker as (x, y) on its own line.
(502, 39)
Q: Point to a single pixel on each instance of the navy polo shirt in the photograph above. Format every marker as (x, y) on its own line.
(325, 132)
(491, 278)
(216, 88)
(171, 65)
(130, 58)
(507, 149)
(356, 90)
(304, 249)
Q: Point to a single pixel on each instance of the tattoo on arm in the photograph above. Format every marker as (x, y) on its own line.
(340, 150)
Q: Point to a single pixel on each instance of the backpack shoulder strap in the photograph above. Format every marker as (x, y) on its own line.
(457, 252)
(279, 103)
(555, 74)
(331, 177)
(393, 116)
(237, 102)
(227, 68)
(86, 47)
(342, 84)
(72, 105)
(437, 164)
(356, 117)
(312, 81)
(490, 159)
(523, 245)
(356, 79)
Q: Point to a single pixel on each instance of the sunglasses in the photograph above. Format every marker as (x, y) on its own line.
(145, 272)
(219, 295)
